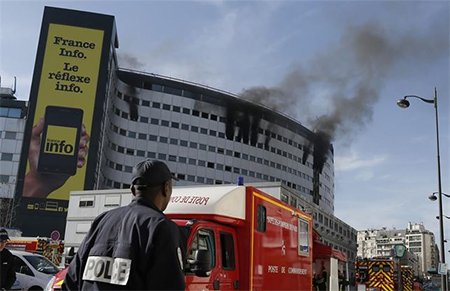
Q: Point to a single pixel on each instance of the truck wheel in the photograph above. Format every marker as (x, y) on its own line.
(35, 288)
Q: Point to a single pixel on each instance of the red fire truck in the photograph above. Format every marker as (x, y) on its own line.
(382, 274)
(240, 238)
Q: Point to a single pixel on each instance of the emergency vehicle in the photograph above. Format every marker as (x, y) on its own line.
(240, 238)
(51, 249)
(237, 237)
(382, 274)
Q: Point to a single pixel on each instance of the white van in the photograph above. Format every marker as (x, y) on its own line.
(33, 271)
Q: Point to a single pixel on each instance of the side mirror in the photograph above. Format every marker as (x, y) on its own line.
(201, 264)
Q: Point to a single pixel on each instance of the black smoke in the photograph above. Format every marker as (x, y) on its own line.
(334, 94)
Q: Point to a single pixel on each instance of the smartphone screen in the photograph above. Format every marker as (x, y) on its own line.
(60, 140)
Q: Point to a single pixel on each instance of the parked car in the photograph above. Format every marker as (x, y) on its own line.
(33, 271)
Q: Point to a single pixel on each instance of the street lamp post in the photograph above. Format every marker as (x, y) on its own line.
(403, 103)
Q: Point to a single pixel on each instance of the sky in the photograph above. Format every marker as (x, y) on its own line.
(332, 65)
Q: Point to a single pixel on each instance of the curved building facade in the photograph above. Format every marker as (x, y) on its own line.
(208, 136)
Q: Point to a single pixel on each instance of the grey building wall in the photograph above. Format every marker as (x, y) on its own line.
(12, 124)
(207, 136)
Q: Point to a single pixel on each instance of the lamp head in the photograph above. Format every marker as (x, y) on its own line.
(403, 103)
(432, 197)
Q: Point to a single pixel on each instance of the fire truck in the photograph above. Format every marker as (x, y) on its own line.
(382, 274)
(236, 237)
(51, 249)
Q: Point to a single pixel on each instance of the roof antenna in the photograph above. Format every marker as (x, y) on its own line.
(15, 83)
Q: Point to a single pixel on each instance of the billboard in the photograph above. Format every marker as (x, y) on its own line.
(61, 136)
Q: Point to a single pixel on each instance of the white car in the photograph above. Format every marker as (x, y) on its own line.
(33, 271)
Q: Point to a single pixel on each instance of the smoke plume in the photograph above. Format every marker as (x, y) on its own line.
(335, 93)
(129, 61)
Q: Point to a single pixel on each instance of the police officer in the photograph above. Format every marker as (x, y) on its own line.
(7, 273)
(134, 247)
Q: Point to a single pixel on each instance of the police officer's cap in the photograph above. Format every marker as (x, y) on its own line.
(151, 172)
(3, 235)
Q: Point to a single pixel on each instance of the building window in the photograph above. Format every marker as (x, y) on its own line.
(10, 112)
(10, 135)
(7, 157)
(154, 121)
(86, 202)
(4, 179)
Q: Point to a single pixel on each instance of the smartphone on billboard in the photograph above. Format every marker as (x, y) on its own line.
(60, 140)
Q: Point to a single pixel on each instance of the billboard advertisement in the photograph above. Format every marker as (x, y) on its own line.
(67, 96)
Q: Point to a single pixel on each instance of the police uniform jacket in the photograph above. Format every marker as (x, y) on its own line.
(135, 247)
(7, 273)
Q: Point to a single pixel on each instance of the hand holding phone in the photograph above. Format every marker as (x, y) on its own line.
(39, 184)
